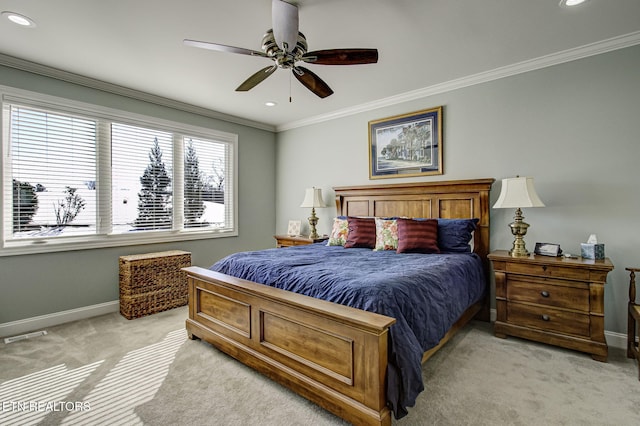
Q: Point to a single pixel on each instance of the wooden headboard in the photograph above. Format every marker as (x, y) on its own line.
(459, 199)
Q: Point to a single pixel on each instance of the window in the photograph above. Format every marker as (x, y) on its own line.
(141, 184)
(78, 176)
(53, 164)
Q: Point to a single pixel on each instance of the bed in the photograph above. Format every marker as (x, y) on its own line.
(341, 357)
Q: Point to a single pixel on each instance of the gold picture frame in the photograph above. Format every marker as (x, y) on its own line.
(406, 145)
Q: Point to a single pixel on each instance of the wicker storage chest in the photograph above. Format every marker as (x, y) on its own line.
(153, 282)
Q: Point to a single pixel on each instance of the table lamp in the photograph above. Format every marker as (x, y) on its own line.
(313, 199)
(518, 193)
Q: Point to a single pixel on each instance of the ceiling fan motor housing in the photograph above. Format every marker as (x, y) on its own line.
(283, 59)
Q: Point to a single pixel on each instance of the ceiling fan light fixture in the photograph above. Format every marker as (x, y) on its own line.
(18, 19)
(571, 3)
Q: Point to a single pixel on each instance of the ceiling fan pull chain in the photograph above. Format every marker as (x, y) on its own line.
(289, 87)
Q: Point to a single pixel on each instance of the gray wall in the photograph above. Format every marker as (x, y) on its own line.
(40, 284)
(574, 127)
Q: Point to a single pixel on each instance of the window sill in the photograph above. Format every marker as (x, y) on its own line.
(14, 248)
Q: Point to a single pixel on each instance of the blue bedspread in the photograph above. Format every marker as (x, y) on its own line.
(425, 293)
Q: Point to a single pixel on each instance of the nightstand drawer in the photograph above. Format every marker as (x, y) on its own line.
(550, 294)
(289, 243)
(548, 319)
(548, 271)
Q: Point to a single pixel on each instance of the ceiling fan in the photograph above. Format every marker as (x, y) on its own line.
(286, 46)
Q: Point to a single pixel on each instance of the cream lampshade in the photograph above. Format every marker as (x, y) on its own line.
(517, 193)
(313, 199)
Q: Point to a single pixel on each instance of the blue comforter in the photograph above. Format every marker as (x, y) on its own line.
(425, 293)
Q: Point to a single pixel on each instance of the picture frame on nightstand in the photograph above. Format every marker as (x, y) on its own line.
(548, 249)
(294, 228)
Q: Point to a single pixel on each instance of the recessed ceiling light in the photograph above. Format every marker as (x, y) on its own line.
(270, 103)
(569, 3)
(18, 19)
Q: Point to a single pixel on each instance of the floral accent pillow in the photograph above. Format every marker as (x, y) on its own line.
(386, 234)
(338, 236)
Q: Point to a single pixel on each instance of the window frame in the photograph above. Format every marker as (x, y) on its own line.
(105, 116)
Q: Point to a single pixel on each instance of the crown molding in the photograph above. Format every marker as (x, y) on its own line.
(58, 74)
(564, 56)
(569, 55)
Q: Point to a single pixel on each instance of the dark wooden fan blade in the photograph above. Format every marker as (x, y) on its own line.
(256, 78)
(312, 82)
(223, 48)
(342, 57)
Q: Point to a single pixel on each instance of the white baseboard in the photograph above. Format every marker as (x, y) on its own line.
(615, 340)
(43, 321)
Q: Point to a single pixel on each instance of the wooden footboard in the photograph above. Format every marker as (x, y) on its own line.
(333, 355)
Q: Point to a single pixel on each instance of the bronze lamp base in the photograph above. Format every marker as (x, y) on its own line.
(313, 221)
(519, 230)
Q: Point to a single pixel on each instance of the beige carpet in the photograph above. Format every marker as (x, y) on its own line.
(108, 370)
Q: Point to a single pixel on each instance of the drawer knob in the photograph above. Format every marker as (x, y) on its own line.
(544, 268)
(544, 293)
(546, 318)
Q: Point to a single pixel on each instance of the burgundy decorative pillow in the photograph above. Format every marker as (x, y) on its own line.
(418, 236)
(362, 232)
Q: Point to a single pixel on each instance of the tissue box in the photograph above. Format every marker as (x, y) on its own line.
(592, 251)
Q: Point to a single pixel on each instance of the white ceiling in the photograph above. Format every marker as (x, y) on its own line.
(422, 44)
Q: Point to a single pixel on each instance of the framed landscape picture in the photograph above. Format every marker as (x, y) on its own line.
(406, 145)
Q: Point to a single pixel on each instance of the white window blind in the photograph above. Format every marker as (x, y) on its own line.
(53, 165)
(206, 166)
(141, 178)
(81, 176)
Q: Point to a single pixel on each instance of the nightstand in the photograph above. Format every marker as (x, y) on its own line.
(288, 241)
(554, 300)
